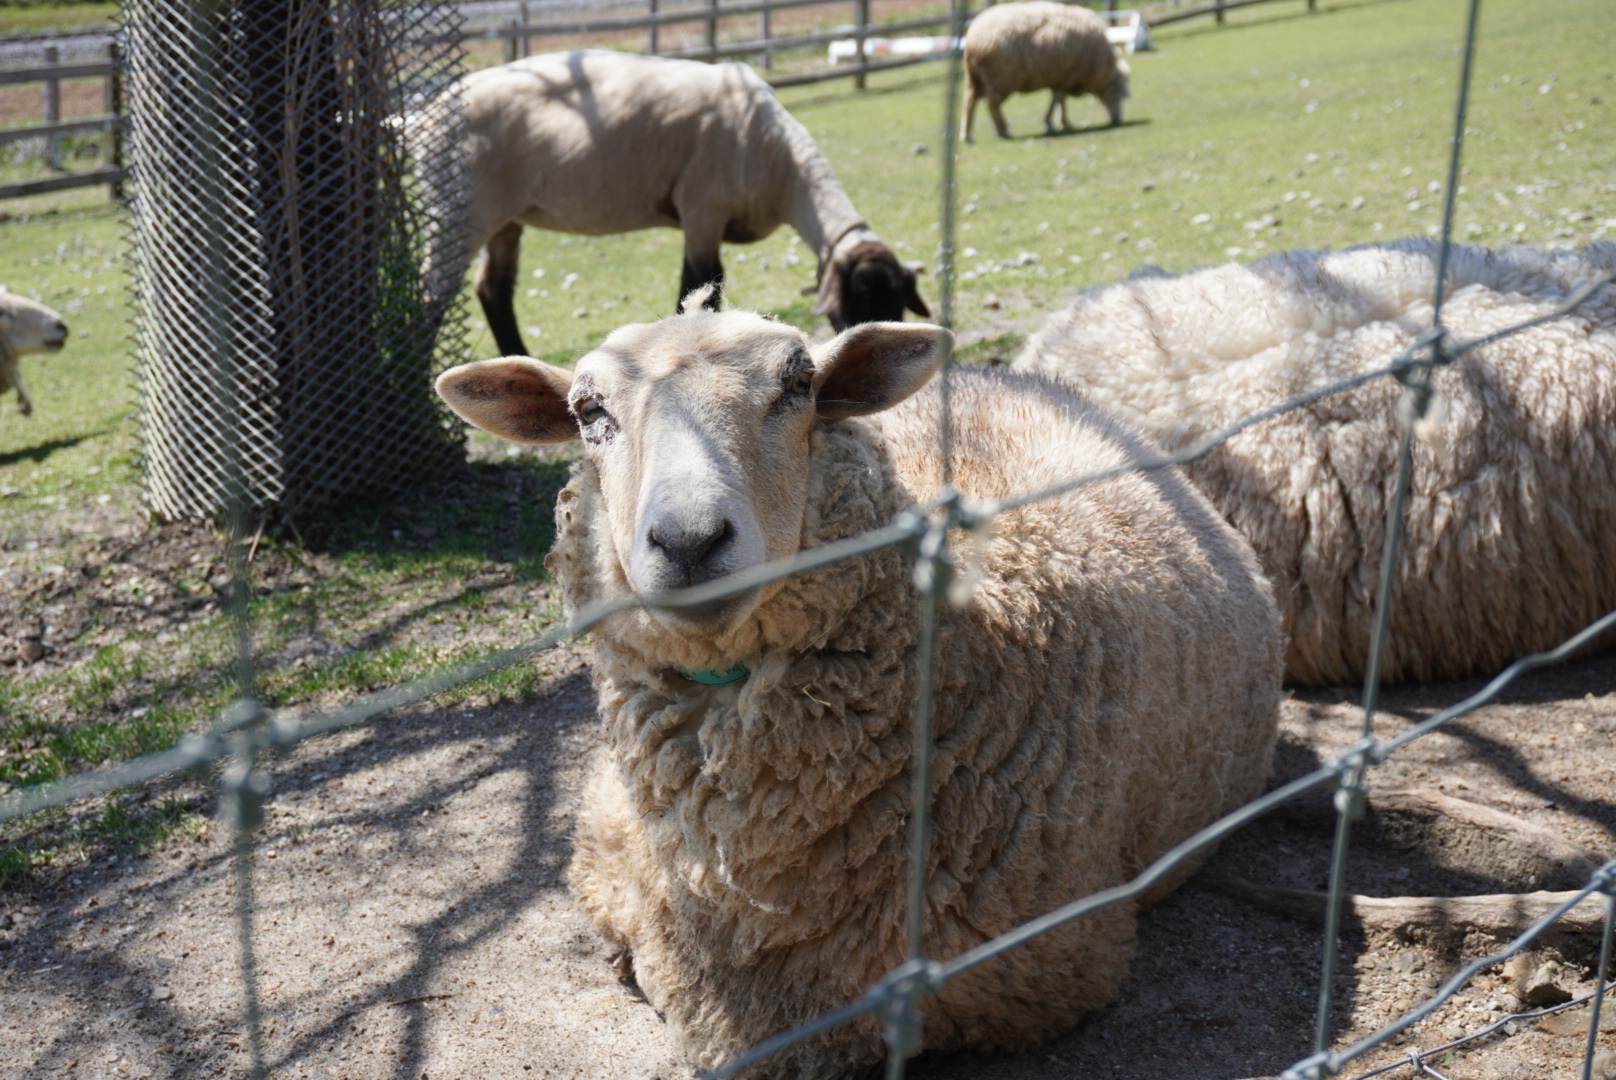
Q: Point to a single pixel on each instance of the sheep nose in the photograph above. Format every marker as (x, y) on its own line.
(688, 549)
(60, 327)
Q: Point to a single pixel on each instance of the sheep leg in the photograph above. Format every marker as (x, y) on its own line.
(25, 404)
(701, 270)
(996, 110)
(1057, 100)
(496, 287)
(968, 120)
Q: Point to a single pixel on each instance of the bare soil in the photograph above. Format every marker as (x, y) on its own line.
(412, 920)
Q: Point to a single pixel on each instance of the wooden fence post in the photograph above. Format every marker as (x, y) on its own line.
(764, 33)
(510, 41)
(1218, 11)
(112, 99)
(651, 31)
(712, 32)
(861, 26)
(53, 110)
(525, 44)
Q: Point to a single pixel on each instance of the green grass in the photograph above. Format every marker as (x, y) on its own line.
(40, 16)
(1282, 130)
(1281, 115)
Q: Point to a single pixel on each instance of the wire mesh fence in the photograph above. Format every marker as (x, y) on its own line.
(246, 729)
(284, 195)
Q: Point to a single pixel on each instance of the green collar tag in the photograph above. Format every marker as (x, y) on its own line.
(713, 677)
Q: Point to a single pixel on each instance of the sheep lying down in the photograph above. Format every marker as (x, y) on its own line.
(1509, 543)
(25, 327)
(1110, 686)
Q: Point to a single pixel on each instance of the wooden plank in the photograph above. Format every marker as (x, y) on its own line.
(1210, 9)
(741, 48)
(62, 183)
(853, 69)
(98, 70)
(641, 22)
(66, 127)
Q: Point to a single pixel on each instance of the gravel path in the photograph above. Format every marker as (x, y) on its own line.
(413, 920)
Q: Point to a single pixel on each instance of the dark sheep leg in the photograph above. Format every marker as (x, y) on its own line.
(699, 271)
(496, 287)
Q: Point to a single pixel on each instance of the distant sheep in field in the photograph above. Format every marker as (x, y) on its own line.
(1510, 538)
(597, 142)
(1110, 687)
(1034, 45)
(25, 327)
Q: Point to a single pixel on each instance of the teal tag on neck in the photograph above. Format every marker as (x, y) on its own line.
(713, 677)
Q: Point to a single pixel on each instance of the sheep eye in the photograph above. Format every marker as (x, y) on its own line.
(589, 411)
(800, 383)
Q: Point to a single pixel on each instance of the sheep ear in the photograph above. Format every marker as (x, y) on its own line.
(911, 294)
(873, 366)
(516, 398)
(830, 291)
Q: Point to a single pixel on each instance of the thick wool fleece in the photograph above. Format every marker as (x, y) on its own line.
(1111, 687)
(1025, 47)
(1509, 544)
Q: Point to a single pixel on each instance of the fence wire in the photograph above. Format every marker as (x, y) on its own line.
(245, 729)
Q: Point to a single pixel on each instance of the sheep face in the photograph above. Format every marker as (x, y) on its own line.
(1115, 92)
(29, 327)
(865, 284)
(698, 428)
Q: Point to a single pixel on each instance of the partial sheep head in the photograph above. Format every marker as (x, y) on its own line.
(865, 283)
(1116, 92)
(698, 428)
(28, 327)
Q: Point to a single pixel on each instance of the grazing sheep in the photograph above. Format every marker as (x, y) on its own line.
(1040, 45)
(597, 142)
(1111, 686)
(1510, 537)
(25, 327)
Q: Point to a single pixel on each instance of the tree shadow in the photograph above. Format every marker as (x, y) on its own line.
(469, 914)
(37, 454)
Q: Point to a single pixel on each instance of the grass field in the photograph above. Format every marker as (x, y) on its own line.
(1282, 130)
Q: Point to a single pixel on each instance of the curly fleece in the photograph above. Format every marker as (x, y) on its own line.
(1509, 544)
(1111, 687)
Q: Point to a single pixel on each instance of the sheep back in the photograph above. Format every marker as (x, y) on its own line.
(1019, 48)
(1111, 686)
(1510, 532)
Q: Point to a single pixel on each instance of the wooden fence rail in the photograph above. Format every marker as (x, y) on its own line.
(51, 74)
(518, 37)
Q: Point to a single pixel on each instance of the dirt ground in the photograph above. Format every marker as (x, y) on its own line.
(412, 918)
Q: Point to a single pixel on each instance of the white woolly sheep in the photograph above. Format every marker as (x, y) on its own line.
(1111, 686)
(25, 327)
(1510, 536)
(598, 142)
(1037, 45)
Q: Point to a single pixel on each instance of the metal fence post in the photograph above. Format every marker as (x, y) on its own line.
(112, 98)
(524, 43)
(53, 110)
(510, 41)
(651, 31)
(712, 31)
(861, 26)
(1218, 11)
(763, 35)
